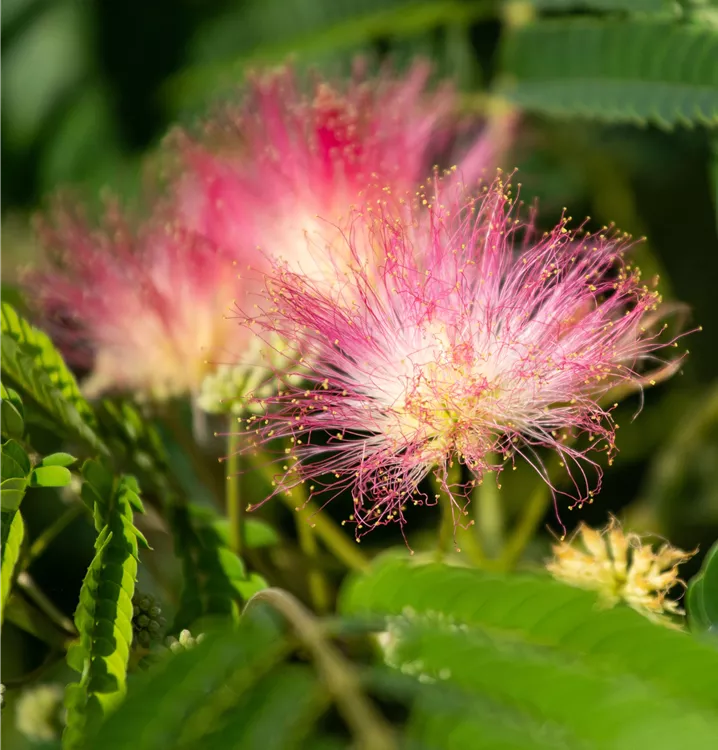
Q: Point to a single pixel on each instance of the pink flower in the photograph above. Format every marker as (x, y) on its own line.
(474, 338)
(264, 172)
(145, 307)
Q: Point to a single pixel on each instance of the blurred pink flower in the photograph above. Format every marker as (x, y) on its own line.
(281, 170)
(475, 338)
(144, 307)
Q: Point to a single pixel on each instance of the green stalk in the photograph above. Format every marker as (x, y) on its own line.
(533, 512)
(49, 535)
(489, 512)
(333, 538)
(233, 500)
(341, 678)
(318, 586)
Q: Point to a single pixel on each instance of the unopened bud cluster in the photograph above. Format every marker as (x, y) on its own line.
(183, 642)
(148, 624)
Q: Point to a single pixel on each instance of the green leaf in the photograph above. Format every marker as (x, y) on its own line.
(58, 459)
(99, 493)
(580, 707)
(168, 702)
(15, 469)
(104, 615)
(714, 173)
(18, 462)
(50, 476)
(137, 446)
(702, 595)
(13, 532)
(544, 613)
(628, 6)
(215, 580)
(275, 714)
(36, 368)
(267, 32)
(13, 417)
(635, 70)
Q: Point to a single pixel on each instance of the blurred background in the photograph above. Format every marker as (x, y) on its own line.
(91, 86)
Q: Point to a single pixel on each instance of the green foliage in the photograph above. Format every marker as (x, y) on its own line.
(172, 706)
(16, 470)
(214, 578)
(626, 6)
(36, 369)
(614, 70)
(702, 595)
(13, 418)
(501, 638)
(12, 532)
(104, 614)
(269, 32)
(136, 445)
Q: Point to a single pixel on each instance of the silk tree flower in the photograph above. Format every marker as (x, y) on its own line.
(477, 338)
(281, 170)
(145, 307)
(622, 568)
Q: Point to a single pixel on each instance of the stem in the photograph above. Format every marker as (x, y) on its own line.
(534, 511)
(25, 616)
(235, 511)
(318, 586)
(447, 525)
(52, 658)
(340, 676)
(28, 586)
(334, 539)
(49, 535)
(489, 512)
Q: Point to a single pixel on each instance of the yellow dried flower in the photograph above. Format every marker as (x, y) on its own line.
(622, 568)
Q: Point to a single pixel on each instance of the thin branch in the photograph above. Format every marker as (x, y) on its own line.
(340, 676)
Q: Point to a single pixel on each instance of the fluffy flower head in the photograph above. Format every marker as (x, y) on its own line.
(621, 567)
(145, 307)
(262, 173)
(474, 338)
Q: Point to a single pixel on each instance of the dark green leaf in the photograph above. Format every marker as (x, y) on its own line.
(702, 595)
(275, 714)
(18, 461)
(215, 580)
(160, 708)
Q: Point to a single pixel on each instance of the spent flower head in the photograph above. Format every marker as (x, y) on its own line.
(622, 568)
(473, 338)
(283, 167)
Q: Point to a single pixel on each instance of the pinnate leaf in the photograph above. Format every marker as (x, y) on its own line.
(104, 614)
(36, 368)
(615, 70)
